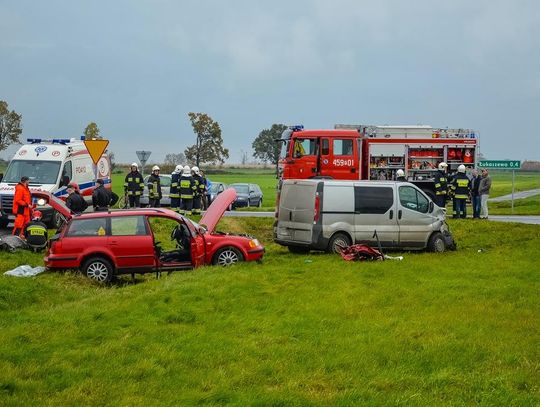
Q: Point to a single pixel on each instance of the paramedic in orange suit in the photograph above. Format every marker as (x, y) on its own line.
(21, 206)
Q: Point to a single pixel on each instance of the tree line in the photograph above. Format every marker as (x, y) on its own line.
(207, 150)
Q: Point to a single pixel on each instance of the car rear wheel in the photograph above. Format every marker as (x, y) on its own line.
(227, 256)
(436, 243)
(338, 241)
(98, 269)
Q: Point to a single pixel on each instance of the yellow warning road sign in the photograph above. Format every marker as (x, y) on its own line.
(96, 148)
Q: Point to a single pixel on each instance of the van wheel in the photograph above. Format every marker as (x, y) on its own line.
(298, 249)
(338, 241)
(436, 243)
(227, 256)
(98, 269)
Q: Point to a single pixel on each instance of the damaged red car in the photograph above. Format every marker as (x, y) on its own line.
(104, 244)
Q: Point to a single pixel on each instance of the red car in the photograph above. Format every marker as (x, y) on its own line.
(103, 244)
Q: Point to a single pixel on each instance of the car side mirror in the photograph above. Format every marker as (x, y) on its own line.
(431, 206)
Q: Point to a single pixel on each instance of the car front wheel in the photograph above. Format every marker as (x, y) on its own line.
(98, 269)
(436, 243)
(227, 256)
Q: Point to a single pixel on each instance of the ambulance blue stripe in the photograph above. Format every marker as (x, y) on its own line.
(63, 191)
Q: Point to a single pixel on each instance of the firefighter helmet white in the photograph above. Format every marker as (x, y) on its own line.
(400, 173)
(442, 166)
(195, 170)
(178, 169)
(186, 171)
(134, 165)
(461, 168)
(155, 168)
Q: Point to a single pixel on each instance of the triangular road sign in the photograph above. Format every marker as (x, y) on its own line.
(96, 148)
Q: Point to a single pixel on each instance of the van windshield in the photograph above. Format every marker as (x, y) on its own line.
(39, 172)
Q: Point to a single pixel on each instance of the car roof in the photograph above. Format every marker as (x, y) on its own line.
(129, 212)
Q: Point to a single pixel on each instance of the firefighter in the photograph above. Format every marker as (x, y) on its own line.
(21, 206)
(441, 185)
(36, 232)
(75, 202)
(154, 188)
(174, 191)
(400, 176)
(199, 191)
(187, 189)
(134, 186)
(461, 188)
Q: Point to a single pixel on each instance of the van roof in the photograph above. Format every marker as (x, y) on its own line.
(49, 151)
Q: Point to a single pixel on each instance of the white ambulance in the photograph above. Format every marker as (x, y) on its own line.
(51, 165)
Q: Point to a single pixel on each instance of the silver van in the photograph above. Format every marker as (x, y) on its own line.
(326, 214)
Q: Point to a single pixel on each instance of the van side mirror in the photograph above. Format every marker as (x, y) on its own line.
(431, 206)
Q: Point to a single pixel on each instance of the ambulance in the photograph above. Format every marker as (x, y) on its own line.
(51, 165)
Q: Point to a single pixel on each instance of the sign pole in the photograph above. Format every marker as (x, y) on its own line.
(513, 178)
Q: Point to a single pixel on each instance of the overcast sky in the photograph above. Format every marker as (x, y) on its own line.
(137, 68)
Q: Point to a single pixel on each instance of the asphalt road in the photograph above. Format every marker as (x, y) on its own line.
(517, 195)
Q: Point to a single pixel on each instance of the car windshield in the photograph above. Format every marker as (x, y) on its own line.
(39, 172)
(214, 188)
(241, 188)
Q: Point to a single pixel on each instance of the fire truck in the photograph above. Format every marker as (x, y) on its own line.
(366, 152)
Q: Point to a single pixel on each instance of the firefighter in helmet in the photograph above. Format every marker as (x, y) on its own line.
(175, 191)
(199, 190)
(154, 188)
(187, 189)
(133, 186)
(36, 232)
(441, 185)
(461, 188)
(400, 175)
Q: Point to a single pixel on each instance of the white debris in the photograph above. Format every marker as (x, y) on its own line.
(25, 271)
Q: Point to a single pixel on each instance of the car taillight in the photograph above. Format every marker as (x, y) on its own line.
(317, 208)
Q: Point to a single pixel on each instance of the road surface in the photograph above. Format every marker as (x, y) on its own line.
(517, 195)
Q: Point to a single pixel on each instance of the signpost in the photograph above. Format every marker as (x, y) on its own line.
(96, 148)
(143, 158)
(503, 165)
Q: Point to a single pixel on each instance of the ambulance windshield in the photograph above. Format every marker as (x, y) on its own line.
(39, 172)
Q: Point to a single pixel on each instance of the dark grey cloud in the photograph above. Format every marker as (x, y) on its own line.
(138, 67)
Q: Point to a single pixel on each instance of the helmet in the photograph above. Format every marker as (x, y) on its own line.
(36, 215)
(195, 170)
(155, 168)
(178, 169)
(461, 168)
(186, 170)
(134, 165)
(400, 173)
(442, 166)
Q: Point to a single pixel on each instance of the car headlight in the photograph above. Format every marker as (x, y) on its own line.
(253, 243)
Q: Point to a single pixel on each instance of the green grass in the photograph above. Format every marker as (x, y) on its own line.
(447, 329)
(502, 182)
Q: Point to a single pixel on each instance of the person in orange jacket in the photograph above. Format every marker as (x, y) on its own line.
(21, 206)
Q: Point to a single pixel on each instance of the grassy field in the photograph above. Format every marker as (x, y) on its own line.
(449, 329)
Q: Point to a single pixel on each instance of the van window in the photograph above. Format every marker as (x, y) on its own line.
(128, 226)
(343, 147)
(67, 174)
(88, 227)
(413, 199)
(374, 200)
(303, 147)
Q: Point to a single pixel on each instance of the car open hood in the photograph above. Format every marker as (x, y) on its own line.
(216, 210)
(56, 203)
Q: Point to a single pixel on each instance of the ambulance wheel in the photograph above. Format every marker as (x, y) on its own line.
(436, 243)
(338, 241)
(98, 269)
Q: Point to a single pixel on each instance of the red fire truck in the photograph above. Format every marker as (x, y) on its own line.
(375, 152)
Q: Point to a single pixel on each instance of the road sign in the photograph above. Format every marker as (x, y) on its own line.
(500, 164)
(143, 156)
(96, 148)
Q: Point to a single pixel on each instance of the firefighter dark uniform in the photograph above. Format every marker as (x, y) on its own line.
(174, 192)
(187, 190)
(441, 188)
(461, 189)
(198, 193)
(133, 187)
(154, 188)
(36, 234)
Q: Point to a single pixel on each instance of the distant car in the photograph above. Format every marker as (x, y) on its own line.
(216, 189)
(165, 181)
(247, 195)
(103, 244)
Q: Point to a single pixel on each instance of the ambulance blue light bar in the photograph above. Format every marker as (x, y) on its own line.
(54, 140)
(297, 127)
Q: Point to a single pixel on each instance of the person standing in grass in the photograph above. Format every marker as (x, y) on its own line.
(21, 206)
(461, 187)
(475, 196)
(483, 191)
